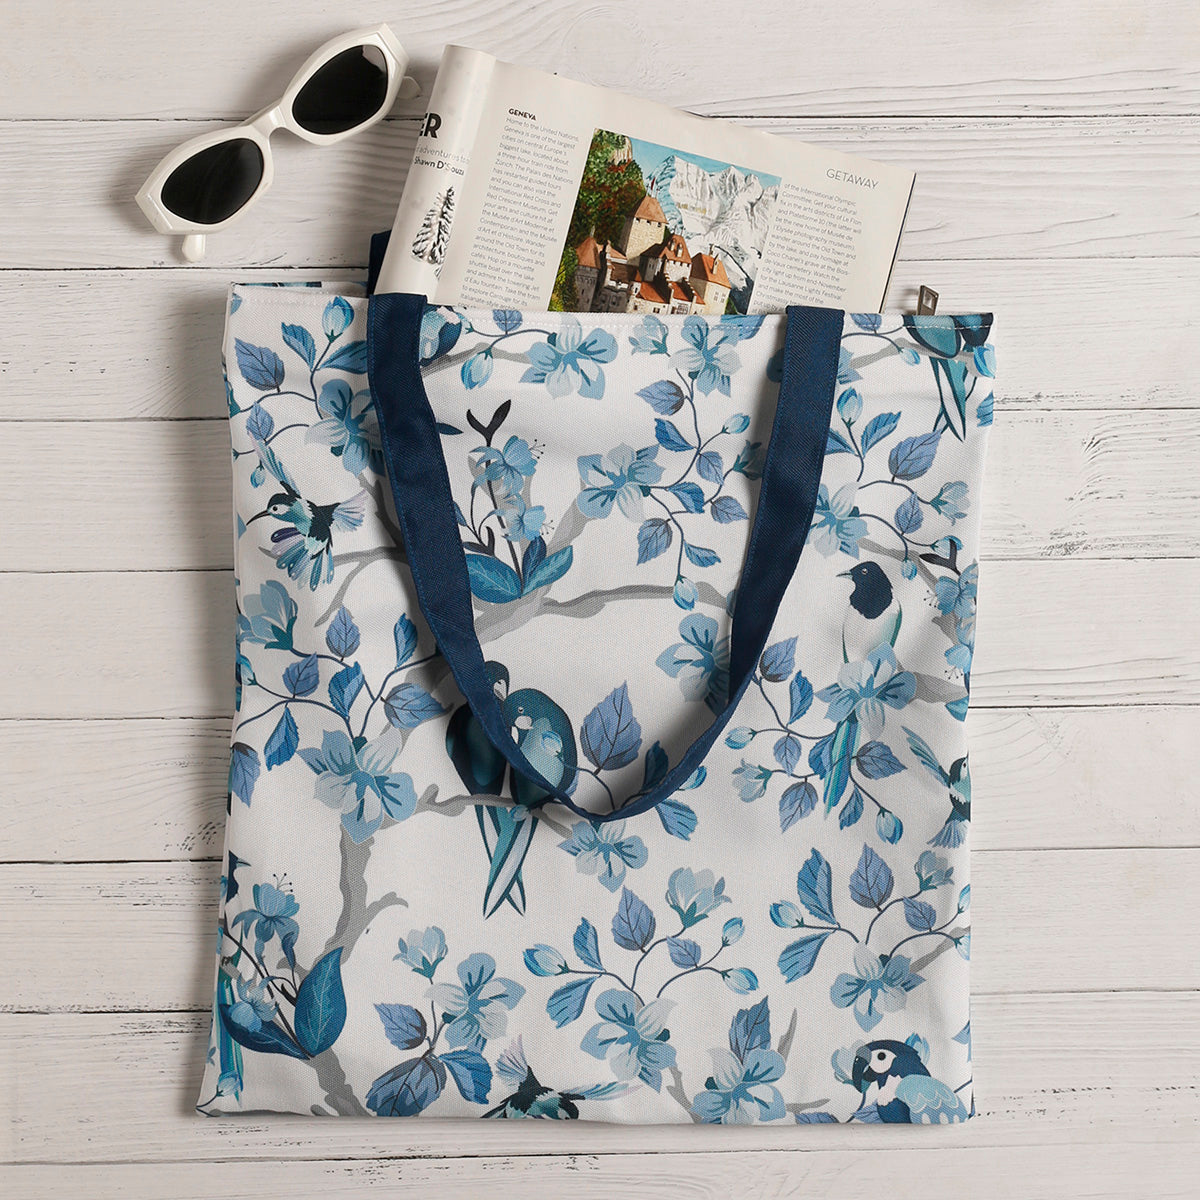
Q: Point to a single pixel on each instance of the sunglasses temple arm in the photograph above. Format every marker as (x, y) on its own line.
(410, 89)
(193, 247)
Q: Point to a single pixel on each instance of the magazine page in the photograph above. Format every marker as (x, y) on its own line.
(583, 199)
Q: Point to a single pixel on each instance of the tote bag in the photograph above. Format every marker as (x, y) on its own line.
(599, 746)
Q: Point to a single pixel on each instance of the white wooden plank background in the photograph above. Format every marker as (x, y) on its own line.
(1058, 151)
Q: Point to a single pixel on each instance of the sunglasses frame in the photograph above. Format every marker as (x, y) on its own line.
(258, 129)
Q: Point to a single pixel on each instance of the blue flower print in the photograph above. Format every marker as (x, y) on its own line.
(709, 357)
(632, 1036)
(423, 950)
(880, 984)
(271, 917)
(694, 894)
(350, 427)
(649, 336)
(478, 1010)
(951, 501)
(750, 781)
(268, 617)
(336, 318)
(700, 662)
(846, 373)
(567, 361)
(622, 477)
(522, 523)
(509, 468)
(253, 1008)
(836, 524)
(957, 596)
(863, 688)
(360, 784)
(605, 851)
(741, 1093)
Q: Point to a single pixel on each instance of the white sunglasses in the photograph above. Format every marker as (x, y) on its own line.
(346, 86)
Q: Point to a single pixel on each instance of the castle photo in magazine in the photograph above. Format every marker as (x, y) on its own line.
(660, 230)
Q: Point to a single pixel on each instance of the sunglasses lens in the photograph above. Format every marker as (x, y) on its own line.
(347, 91)
(213, 184)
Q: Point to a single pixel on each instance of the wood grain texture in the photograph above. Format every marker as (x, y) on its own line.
(987, 188)
(1053, 1070)
(1047, 778)
(1038, 917)
(180, 61)
(1051, 632)
(146, 344)
(1096, 485)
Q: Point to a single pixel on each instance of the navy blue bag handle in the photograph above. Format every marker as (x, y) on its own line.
(421, 488)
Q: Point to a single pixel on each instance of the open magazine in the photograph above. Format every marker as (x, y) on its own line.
(534, 191)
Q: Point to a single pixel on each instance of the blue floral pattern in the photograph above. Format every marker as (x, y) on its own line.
(405, 924)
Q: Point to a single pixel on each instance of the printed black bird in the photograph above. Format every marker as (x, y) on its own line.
(533, 1099)
(958, 783)
(875, 614)
(305, 543)
(908, 1094)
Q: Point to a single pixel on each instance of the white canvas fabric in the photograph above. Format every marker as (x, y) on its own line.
(410, 925)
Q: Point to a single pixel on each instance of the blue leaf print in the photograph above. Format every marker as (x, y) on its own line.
(566, 1004)
(302, 677)
(669, 438)
(610, 735)
(259, 424)
(909, 516)
(878, 428)
(836, 444)
(633, 925)
(911, 457)
(407, 1089)
(656, 767)
(788, 752)
(700, 556)
(664, 397)
(507, 319)
(471, 1072)
(261, 368)
(801, 695)
(282, 743)
(983, 413)
(797, 801)
(876, 761)
(816, 1118)
(342, 636)
(300, 340)
(868, 321)
(778, 661)
(711, 467)
(549, 570)
(852, 810)
(872, 881)
(492, 580)
(677, 819)
(800, 957)
(321, 1004)
(820, 757)
(405, 635)
(689, 495)
(409, 705)
(352, 357)
(726, 509)
(814, 885)
(919, 915)
(268, 1038)
(654, 538)
(750, 1029)
(344, 688)
(243, 771)
(587, 945)
(403, 1025)
(683, 951)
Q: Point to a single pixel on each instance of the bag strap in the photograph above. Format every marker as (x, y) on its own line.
(421, 487)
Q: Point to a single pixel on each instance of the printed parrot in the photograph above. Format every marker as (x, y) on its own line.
(305, 542)
(543, 734)
(958, 784)
(533, 1099)
(906, 1093)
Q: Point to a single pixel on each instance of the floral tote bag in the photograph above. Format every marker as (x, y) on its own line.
(599, 746)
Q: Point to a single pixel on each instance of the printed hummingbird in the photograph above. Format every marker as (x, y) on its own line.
(533, 1099)
(305, 542)
(873, 620)
(957, 782)
(542, 732)
(907, 1094)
